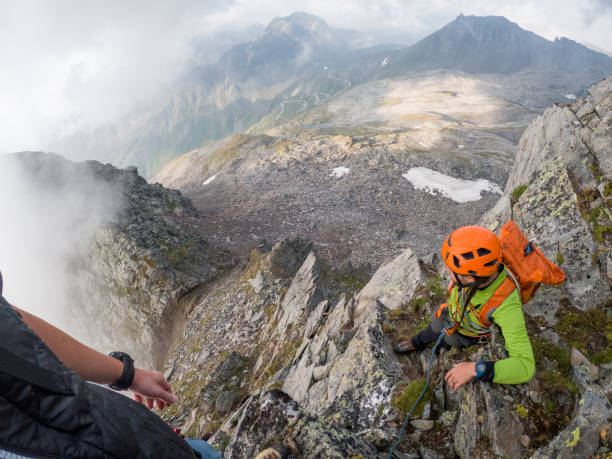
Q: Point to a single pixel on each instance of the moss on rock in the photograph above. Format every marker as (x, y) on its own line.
(518, 192)
(587, 331)
(407, 396)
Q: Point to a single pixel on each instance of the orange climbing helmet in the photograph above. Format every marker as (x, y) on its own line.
(472, 251)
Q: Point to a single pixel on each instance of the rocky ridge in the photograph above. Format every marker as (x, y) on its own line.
(288, 350)
(560, 191)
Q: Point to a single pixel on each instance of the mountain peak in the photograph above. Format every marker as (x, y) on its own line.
(300, 24)
(482, 26)
(305, 20)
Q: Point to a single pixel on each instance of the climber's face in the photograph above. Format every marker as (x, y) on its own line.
(459, 279)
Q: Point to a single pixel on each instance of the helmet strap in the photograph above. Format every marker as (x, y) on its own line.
(460, 284)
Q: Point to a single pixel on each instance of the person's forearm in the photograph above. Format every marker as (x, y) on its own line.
(86, 362)
(519, 367)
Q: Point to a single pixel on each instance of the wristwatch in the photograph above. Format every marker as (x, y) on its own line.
(127, 376)
(481, 367)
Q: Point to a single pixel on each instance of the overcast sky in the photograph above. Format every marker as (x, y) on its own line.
(66, 64)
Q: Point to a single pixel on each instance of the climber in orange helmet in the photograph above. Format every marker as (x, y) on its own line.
(480, 294)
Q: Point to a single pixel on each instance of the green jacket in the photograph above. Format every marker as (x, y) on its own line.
(519, 367)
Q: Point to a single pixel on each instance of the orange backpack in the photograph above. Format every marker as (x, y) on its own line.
(529, 265)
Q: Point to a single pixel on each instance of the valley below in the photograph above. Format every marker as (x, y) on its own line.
(335, 174)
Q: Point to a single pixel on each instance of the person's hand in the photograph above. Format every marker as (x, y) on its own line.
(460, 374)
(152, 388)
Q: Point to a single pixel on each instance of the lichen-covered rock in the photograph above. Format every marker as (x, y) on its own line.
(275, 418)
(581, 437)
(468, 430)
(223, 385)
(559, 193)
(359, 377)
(605, 378)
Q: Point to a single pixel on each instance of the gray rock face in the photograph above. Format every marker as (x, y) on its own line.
(222, 390)
(581, 437)
(565, 207)
(141, 265)
(485, 411)
(274, 418)
(393, 283)
(358, 373)
(303, 296)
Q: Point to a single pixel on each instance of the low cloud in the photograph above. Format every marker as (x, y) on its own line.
(68, 65)
(48, 217)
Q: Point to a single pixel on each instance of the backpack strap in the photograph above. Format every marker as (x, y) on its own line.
(499, 296)
(14, 365)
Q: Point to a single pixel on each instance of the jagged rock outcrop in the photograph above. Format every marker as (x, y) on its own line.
(340, 381)
(343, 365)
(560, 193)
(581, 437)
(274, 416)
(239, 312)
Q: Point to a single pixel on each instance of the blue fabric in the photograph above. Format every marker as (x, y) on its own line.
(207, 451)
(8, 455)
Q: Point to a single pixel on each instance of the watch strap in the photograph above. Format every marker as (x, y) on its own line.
(485, 371)
(127, 376)
(481, 368)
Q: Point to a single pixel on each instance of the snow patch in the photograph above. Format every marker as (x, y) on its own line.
(209, 180)
(339, 171)
(458, 190)
(570, 96)
(460, 146)
(385, 61)
(425, 145)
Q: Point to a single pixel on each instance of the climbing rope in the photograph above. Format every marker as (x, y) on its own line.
(433, 352)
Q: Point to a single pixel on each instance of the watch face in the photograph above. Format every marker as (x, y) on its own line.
(480, 367)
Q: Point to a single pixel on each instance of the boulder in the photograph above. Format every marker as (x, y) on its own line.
(392, 284)
(274, 417)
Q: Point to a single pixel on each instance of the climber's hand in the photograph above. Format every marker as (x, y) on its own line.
(152, 388)
(460, 374)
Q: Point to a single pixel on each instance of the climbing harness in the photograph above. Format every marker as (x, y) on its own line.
(433, 352)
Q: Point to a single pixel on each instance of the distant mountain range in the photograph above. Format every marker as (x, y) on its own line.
(300, 62)
(494, 45)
